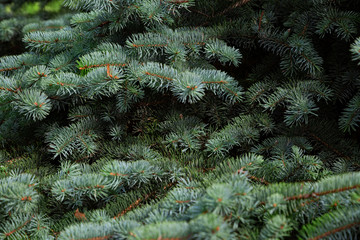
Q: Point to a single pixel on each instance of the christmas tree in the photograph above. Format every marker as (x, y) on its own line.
(180, 119)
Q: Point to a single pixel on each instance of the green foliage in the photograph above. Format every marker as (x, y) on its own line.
(148, 119)
(341, 224)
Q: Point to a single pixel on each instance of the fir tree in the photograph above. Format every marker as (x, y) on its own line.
(171, 119)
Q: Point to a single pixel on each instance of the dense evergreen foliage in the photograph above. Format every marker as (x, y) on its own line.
(180, 119)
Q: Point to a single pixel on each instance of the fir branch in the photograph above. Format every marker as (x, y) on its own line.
(8, 234)
(318, 194)
(333, 231)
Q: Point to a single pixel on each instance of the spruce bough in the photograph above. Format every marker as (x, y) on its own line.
(169, 119)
